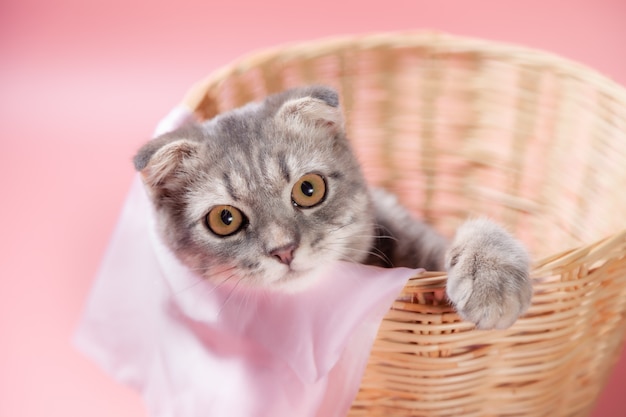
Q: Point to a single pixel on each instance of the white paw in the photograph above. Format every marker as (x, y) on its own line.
(488, 275)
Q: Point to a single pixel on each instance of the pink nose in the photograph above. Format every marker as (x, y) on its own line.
(284, 254)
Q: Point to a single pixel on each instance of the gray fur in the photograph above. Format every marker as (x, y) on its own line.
(251, 157)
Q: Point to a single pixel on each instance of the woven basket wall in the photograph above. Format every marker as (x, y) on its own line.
(460, 127)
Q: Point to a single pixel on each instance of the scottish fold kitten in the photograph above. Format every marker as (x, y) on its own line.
(269, 193)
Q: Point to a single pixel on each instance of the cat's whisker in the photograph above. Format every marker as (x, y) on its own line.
(387, 237)
(230, 295)
(388, 234)
(374, 252)
(371, 226)
(366, 237)
(247, 299)
(341, 225)
(200, 280)
(224, 281)
(242, 302)
(196, 282)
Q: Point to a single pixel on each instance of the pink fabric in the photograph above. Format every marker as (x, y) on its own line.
(196, 349)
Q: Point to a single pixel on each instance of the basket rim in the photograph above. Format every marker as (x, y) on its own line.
(546, 265)
(445, 42)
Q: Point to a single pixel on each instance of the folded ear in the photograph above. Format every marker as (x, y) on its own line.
(319, 109)
(165, 162)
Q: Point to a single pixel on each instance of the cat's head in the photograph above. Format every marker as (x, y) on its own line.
(267, 194)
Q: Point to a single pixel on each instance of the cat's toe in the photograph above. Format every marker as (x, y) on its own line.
(488, 307)
(488, 275)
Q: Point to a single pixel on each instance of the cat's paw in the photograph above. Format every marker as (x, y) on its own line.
(488, 275)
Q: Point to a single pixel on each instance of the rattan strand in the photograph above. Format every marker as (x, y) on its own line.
(462, 127)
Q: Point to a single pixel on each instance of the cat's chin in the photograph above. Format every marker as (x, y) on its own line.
(294, 281)
(285, 279)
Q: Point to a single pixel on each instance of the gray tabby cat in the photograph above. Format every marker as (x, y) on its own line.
(270, 192)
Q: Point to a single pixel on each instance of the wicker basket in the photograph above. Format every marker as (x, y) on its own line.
(458, 127)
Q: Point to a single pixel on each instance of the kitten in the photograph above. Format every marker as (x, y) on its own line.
(271, 192)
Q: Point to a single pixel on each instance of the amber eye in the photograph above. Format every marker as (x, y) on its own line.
(309, 191)
(225, 220)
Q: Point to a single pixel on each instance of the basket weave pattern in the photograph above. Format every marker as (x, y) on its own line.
(459, 127)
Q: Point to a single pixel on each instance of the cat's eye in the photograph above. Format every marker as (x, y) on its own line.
(309, 191)
(225, 220)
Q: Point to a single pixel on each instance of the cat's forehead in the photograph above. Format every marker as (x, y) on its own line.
(250, 142)
(253, 167)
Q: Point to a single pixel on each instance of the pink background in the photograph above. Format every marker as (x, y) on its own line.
(82, 84)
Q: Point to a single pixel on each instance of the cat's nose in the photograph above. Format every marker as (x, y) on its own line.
(284, 254)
